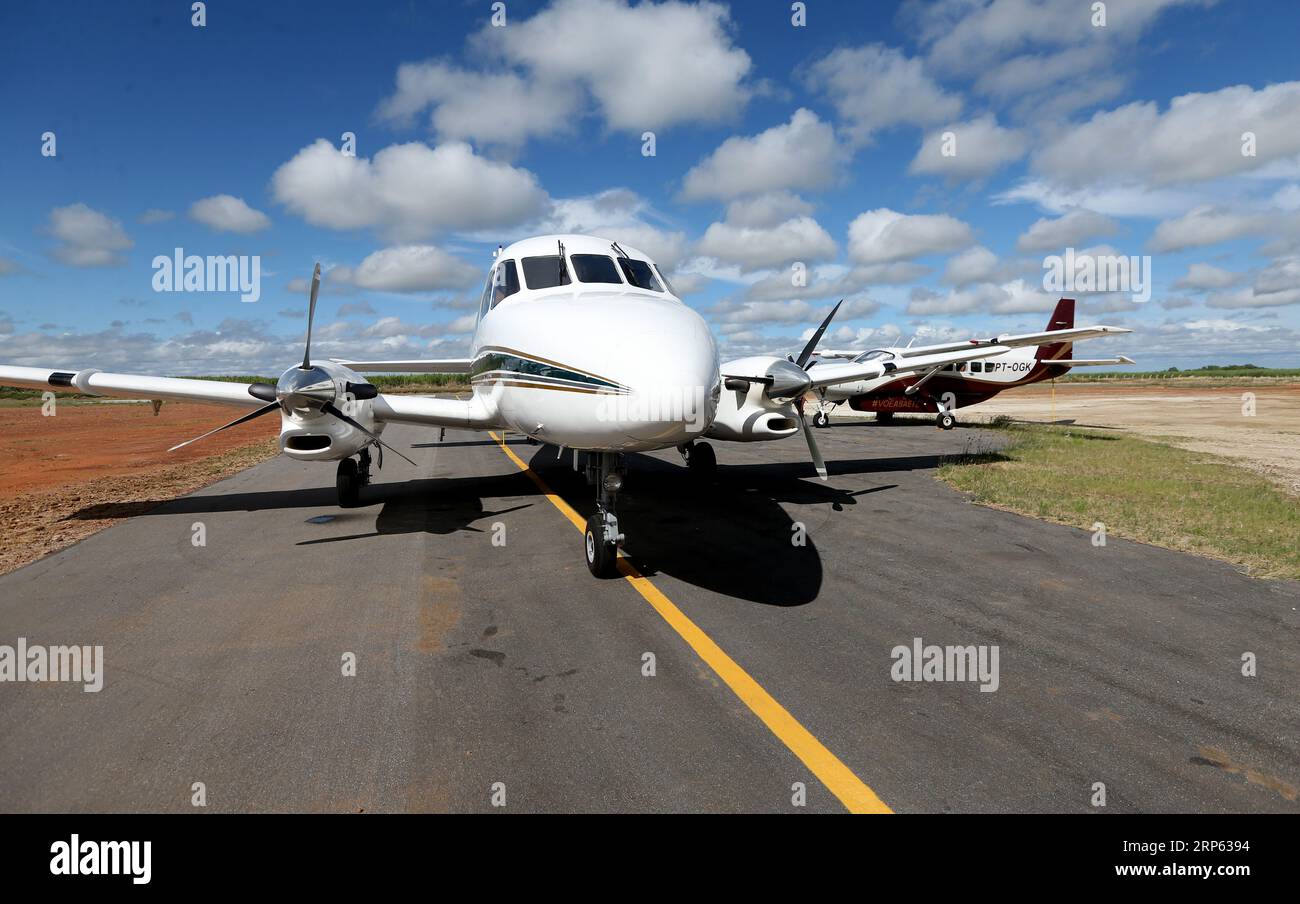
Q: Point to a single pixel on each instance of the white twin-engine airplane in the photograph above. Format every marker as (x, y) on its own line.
(580, 343)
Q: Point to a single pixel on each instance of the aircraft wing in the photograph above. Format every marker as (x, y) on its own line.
(925, 357)
(129, 386)
(438, 366)
(408, 409)
(1047, 337)
(431, 412)
(1092, 362)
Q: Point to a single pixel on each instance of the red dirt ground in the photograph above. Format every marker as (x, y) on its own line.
(67, 476)
(86, 441)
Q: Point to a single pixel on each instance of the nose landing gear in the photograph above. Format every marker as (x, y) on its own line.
(602, 539)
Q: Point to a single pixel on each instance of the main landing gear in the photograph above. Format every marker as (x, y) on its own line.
(945, 419)
(700, 460)
(352, 476)
(601, 539)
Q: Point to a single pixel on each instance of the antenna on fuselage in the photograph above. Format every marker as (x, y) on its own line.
(496, 254)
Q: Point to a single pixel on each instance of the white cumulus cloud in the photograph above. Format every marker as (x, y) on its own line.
(409, 268)
(226, 213)
(87, 237)
(800, 154)
(883, 235)
(407, 191)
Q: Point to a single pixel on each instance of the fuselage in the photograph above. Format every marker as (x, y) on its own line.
(591, 349)
(956, 385)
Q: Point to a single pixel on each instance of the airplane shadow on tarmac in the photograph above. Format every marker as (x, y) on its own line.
(730, 536)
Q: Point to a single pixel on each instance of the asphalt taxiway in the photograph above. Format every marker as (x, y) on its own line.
(482, 666)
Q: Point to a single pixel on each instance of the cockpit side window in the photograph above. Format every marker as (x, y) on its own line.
(873, 355)
(545, 272)
(505, 282)
(595, 268)
(487, 294)
(639, 274)
(664, 280)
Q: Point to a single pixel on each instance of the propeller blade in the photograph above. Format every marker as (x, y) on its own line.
(817, 336)
(265, 409)
(311, 315)
(329, 408)
(818, 462)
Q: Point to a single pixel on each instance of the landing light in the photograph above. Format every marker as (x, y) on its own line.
(613, 482)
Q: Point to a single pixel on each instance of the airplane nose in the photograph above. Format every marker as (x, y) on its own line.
(668, 360)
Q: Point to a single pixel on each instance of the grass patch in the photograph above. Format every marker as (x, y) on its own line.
(1211, 372)
(1141, 490)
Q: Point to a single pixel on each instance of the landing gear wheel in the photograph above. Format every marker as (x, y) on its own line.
(701, 461)
(348, 483)
(821, 420)
(884, 417)
(946, 421)
(602, 555)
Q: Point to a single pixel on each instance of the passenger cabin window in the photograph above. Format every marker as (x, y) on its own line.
(594, 268)
(977, 367)
(545, 272)
(505, 282)
(639, 274)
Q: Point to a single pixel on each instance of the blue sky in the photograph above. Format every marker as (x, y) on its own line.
(775, 146)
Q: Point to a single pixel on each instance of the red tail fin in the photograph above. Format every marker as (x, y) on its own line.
(1062, 319)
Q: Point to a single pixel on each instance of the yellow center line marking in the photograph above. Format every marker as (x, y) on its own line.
(830, 771)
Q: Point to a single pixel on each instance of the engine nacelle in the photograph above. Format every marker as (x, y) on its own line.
(745, 414)
(308, 434)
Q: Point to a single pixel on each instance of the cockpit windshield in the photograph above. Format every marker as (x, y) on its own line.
(545, 272)
(873, 355)
(595, 268)
(640, 274)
